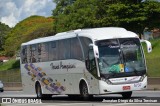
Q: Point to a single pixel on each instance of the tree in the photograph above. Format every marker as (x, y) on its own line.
(30, 28)
(4, 30)
(152, 10)
(77, 15)
(61, 5)
(133, 15)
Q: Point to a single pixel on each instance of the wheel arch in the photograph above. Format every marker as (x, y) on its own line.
(82, 80)
(38, 83)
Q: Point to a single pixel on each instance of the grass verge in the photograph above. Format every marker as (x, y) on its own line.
(11, 64)
(153, 58)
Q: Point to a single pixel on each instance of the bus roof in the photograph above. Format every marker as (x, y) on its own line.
(93, 33)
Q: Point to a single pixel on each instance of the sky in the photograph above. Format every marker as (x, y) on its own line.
(13, 11)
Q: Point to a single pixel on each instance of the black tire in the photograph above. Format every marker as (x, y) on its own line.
(126, 95)
(39, 91)
(74, 97)
(2, 90)
(84, 92)
(46, 96)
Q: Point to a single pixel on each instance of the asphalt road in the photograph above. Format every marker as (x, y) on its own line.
(142, 98)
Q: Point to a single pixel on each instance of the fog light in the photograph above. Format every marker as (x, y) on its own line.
(105, 90)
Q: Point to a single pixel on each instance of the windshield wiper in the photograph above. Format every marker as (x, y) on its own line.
(112, 73)
(109, 75)
(135, 71)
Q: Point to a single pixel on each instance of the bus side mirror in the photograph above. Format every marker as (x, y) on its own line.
(149, 45)
(95, 49)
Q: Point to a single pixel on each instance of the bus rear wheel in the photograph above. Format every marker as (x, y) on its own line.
(39, 91)
(127, 95)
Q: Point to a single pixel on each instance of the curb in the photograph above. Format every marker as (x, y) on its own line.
(154, 87)
(13, 89)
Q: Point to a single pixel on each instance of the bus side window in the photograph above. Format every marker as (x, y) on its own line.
(92, 64)
(76, 52)
(42, 54)
(53, 50)
(24, 54)
(32, 53)
(64, 49)
(39, 52)
(85, 45)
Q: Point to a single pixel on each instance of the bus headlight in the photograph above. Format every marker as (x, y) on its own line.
(103, 79)
(142, 78)
(107, 81)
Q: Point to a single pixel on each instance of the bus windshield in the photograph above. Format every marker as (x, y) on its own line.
(120, 56)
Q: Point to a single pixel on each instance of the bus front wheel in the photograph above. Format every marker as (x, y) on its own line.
(126, 95)
(84, 91)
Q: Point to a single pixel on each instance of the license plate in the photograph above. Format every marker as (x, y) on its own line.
(126, 87)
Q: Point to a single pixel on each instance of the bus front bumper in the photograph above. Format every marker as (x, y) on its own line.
(106, 88)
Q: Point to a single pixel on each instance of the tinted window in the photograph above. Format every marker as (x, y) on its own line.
(64, 49)
(85, 44)
(76, 52)
(109, 56)
(42, 52)
(31, 53)
(24, 54)
(132, 54)
(53, 50)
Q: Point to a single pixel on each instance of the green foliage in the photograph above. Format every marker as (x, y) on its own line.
(11, 64)
(152, 10)
(61, 5)
(133, 15)
(156, 49)
(81, 14)
(153, 58)
(4, 30)
(16, 64)
(28, 29)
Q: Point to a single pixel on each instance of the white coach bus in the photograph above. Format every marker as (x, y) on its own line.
(84, 62)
